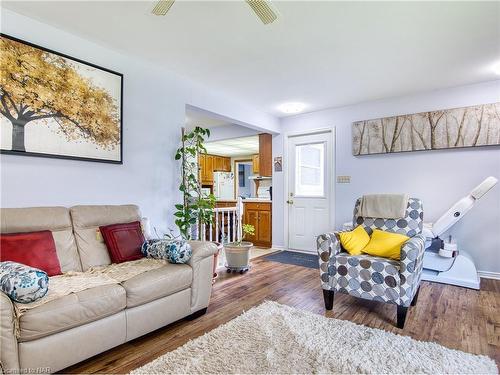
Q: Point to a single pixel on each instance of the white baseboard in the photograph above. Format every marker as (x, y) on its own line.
(489, 275)
(278, 247)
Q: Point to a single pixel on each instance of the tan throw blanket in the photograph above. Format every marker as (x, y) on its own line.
(74, 282)
(385, 206)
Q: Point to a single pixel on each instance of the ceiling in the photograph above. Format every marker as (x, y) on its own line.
(234, 147)
(324, 53)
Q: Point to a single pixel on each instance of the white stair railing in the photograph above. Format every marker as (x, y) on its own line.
(224, 227)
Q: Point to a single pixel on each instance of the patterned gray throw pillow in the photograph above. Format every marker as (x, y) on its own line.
(22, 283)
(174, 251)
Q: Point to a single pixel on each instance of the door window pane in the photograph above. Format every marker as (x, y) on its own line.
(310, 170)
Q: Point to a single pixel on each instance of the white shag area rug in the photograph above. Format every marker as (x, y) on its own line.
(276, 339)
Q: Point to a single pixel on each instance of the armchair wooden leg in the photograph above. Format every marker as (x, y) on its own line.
(415, 297)
(328, 296)
(401, 316)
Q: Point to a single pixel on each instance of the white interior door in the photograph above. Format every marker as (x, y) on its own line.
(309, 194)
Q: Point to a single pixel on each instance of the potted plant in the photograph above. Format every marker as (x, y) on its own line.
(196, 209)
(238, 253)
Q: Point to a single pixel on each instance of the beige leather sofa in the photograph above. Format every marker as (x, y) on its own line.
(63, 332)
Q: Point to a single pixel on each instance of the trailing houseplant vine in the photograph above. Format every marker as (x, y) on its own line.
(195, 208)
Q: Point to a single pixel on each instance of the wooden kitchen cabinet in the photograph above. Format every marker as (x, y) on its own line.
(221, 163)
(209, 164)
(209, 169)
(227, 165)
(259, 214)
(255, 165)
(265, 228)
(263, 161)
(265, 155)
(202, 168)
(252, 218)
(206, 165)
(201, 165)
(218, 163)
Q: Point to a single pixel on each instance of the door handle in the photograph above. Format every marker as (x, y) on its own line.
(289, 201)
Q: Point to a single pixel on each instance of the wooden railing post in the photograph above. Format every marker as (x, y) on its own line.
(217, 226)
(239, 214)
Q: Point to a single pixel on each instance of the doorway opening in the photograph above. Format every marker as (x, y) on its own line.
(237, 164)
(244, 187)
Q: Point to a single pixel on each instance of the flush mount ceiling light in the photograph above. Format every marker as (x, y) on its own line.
(262, 8)
(293, 107)
(496, 68)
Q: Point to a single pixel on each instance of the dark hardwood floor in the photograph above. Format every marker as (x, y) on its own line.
(455, 317)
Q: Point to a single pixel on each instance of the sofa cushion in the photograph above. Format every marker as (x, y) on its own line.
(174, 251)
(355, 240)
(22, 283)
(385, 244)
(55, 219)
(72, 310)
(86, 223)
(157, 283)
(33, 249)
(123, 241)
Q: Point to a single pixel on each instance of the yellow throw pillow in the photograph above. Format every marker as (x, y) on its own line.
(385, 244)
(354, 241)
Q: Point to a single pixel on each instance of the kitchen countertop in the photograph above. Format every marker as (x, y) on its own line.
(247, 200)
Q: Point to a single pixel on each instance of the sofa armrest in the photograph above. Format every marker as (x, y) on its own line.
(328, 245)
(410, 267)
(201, 250)
(202, 264)
(9, 356)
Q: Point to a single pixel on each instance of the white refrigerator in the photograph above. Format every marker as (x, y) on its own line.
(224, 185)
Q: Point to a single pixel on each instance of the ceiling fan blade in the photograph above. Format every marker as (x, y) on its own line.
(264, 10)
(162, 7)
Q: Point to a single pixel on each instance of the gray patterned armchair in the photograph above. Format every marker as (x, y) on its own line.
(374, 278)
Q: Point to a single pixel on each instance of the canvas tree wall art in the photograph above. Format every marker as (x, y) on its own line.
(449, 128)
(57, 106)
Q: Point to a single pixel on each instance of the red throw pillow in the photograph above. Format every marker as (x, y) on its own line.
(34, 249)
(123, 241)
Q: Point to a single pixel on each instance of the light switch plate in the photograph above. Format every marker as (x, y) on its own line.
(343, 179)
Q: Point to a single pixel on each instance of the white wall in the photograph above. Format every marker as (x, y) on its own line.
(148, 176)
(232, 131)
(153, 112)
(439, 178)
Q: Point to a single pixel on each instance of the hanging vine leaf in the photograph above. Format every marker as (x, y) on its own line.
(196, 208)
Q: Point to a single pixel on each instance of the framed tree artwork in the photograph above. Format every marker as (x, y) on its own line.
(473, 126)
(54, 105)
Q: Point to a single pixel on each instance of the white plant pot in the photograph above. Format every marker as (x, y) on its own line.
(238, 256)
